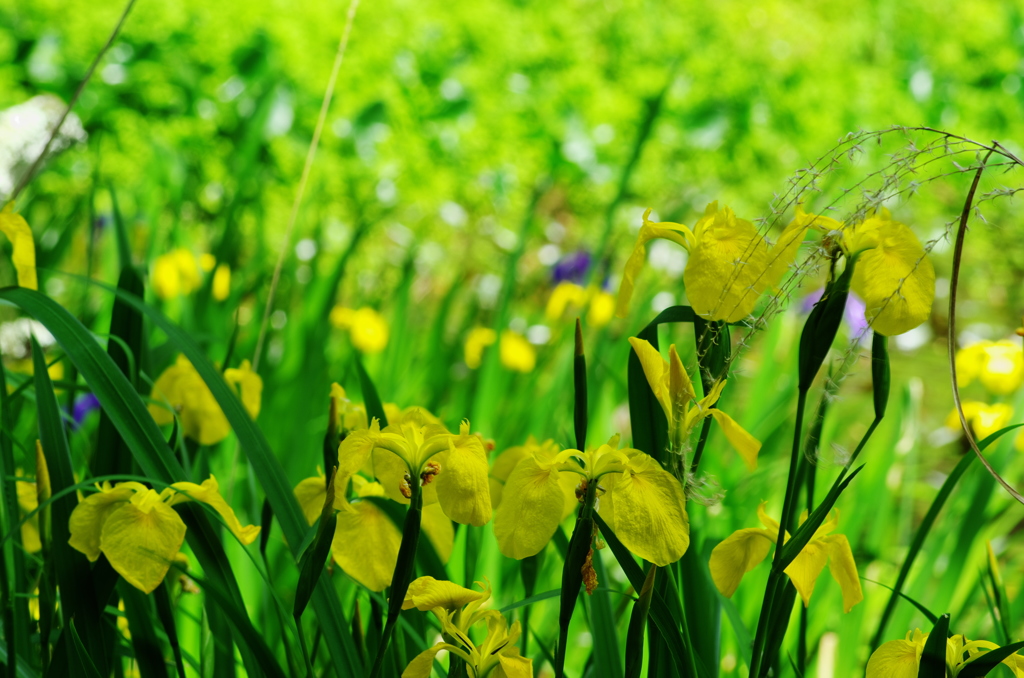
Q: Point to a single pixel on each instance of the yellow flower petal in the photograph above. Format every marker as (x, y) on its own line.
(311, 494)
(564, 295)
(23, 256)
(427, 593)
(601, 310)
(511, 665)
(423, 663)
(368, 330)
(462, 487)
(650, 513)
(141, 538)
(438, 528)
(87, 519)
(895, 659)
(373, 563)
(745, 444)
(843, 569)
(728, 266)
(180, 389)
(656, 370)
(894, 277)
(531, 508)
(477, 340)
(806, 568)
(677, 233)
(222, 282)
(738, 554)
(209, 494)
(516, 352)
(249, 384)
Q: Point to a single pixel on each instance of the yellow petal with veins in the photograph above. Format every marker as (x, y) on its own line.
(843, 569)
(427, 593)
(209, 494)
(141, 538)
(531, 508)
(462, 487)
(677, 233)
(897, 658)
(366, 544)
(745, 444)
(87, 519)
(650, 514)
(656, 369)
(438, 528)
(738, 554)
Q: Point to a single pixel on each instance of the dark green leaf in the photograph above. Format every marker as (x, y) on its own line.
(311, 564)
(637, 626)
(822, 325)
(933, 658)
(983, 664)
(374, 407)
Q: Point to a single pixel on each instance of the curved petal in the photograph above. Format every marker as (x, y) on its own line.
(728, 266)
(209, 494)
(438, 528)
(355, 450)
(531, 509)
(311, 494)
(87, 519)
(843, 568)
(738, 554)
(423, 663)
(141, 538)
(650, 514)
(894, 659)
(656, 369)
(366, 545)
(649, 231)
(427, 593)
(895, 278)
(512, 665)
(745, 444)
(19, 233)
(806, 568)
(462, 487)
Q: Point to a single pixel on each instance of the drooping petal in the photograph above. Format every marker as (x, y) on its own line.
(531, 508)
(311, 494)
(738, 554)
(650, 514)
(462, 487)
(895, 659)
(438, 528)
(745, 444)
(427, 593)
(422, 664)
(894, 278)
(512, 665)
(23, 256)
(209, 494)
(141, 538)
(843, 568)
(649, 231)
(806, 568)
(366, 544)
(87, 519)
(656, 369)
(728, 266)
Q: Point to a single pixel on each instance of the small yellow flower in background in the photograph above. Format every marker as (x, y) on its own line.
(207, 261)
(477, 340)
(23, 257)
(600, 305)
(984, 419)
(222, 282)
(176, 274)
(137, 530)
(902, 658)
(366, 327)
(642, 503)
(745, 549)
(999, 365)
(730, 264)
(674, 391)
(458, 609)
(516, 352)
(180, 389)
(893, 275)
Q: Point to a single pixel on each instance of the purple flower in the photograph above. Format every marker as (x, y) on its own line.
(853, 314)
(84, 404)
(572, 267)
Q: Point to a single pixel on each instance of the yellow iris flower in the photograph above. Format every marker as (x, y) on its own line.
(458, 609)
(730, 264)
(902, 658)
(515, 352)
(642, 503)
(137, 530)
(366, 327)
(674, 391)
(893, 275)
(176, 273)
(745, 549)
(23, 256)
(984, 419)
(221, 282)
(600, 304)
(180, 389)
(998, 364)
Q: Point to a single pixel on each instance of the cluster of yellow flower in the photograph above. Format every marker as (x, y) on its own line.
(179, 273)
(999, 367)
